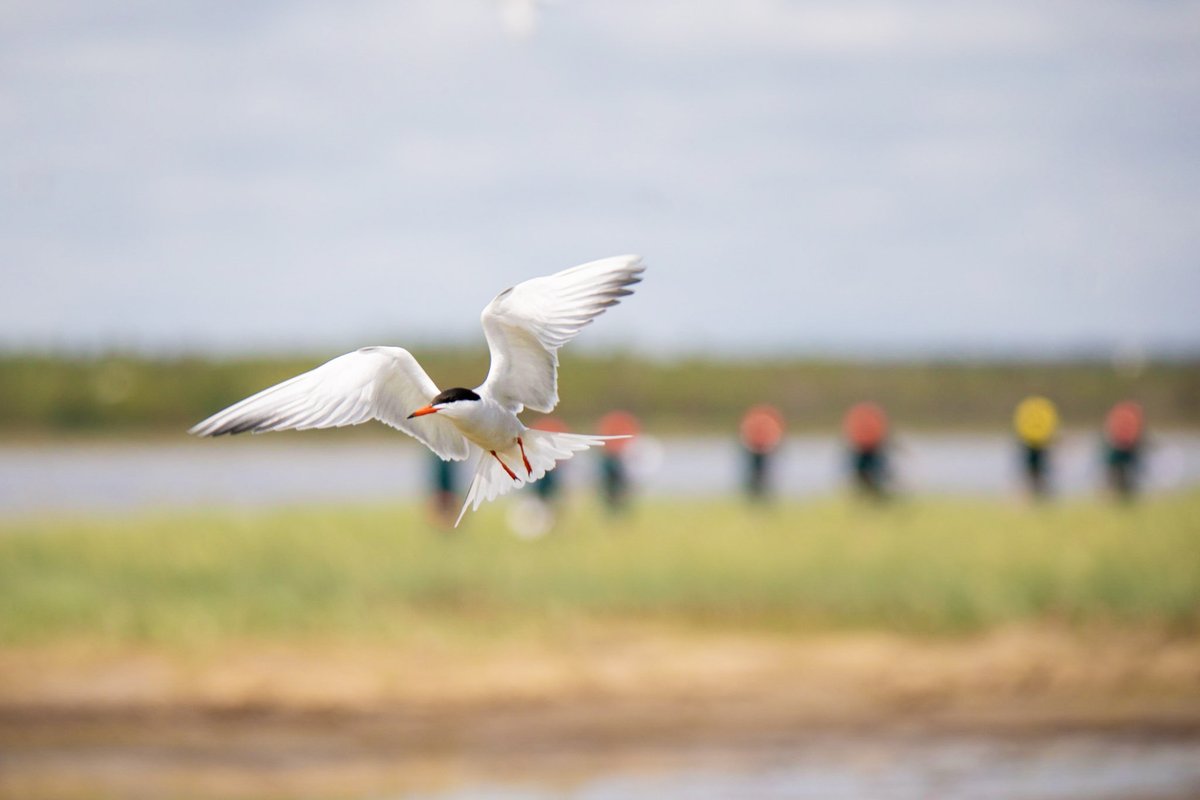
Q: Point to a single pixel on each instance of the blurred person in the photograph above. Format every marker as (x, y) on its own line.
(1124, 441)
(443, 494)
(1035, 421)
(614, 472)
(548, 488)
(865, 427)
(761, 433)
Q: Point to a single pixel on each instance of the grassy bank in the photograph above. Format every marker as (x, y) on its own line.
(379, 574)
(51, 395)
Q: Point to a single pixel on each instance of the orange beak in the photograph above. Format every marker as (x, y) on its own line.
(420, 412)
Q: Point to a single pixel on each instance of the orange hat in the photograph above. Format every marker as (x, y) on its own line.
(865, 425)
(1124, 423)
(762, 428)
(619, 423)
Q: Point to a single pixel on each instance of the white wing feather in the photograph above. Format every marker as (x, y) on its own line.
(383, 383)
(525, 326)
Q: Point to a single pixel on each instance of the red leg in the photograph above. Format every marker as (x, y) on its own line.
(528, 469)
(511, 474)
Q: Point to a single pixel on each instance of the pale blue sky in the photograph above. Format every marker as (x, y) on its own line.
(865, 177)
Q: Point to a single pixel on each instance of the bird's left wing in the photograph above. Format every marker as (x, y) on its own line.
(383, 383)
(525, 326)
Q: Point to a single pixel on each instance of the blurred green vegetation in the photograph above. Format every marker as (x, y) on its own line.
(50, 395)
(933, 566)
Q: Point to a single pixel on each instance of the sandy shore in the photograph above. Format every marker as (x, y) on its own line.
(347, 719)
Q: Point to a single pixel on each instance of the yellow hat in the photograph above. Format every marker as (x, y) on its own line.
(1035, 420)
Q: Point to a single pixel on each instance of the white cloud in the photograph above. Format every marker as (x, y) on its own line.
(828, 28)
(250, 171)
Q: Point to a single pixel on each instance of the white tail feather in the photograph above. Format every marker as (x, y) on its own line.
(543, 449)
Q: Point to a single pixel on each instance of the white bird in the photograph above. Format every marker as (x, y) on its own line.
(525, 326)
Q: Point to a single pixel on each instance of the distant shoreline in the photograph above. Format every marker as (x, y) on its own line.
(136, 395)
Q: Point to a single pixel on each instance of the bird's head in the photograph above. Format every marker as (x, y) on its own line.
(449, 402)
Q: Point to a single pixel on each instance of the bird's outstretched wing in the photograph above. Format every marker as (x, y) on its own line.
(525, 326)
(383, 383)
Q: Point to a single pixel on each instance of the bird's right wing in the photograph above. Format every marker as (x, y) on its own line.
(526, 324)
(383, 383)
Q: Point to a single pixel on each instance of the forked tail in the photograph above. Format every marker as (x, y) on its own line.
(544, 450)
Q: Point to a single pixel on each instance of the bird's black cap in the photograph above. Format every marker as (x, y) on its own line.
(453, 395)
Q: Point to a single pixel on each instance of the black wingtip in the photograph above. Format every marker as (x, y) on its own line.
(234, 428)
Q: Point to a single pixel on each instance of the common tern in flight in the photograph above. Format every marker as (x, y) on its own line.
(525, 326)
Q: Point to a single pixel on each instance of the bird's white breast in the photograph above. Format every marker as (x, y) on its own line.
(488, 424)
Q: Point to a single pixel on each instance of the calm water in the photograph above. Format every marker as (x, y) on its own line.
(288, 469)
(1065, 767)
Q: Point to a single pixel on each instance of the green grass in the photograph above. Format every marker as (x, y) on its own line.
(46, 395)
(930, 566)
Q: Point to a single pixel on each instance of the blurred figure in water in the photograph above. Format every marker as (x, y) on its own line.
(1036, 422)
(443, 497)
(1124, 437)
(614, 472)
(761, 433)
(865, 427)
